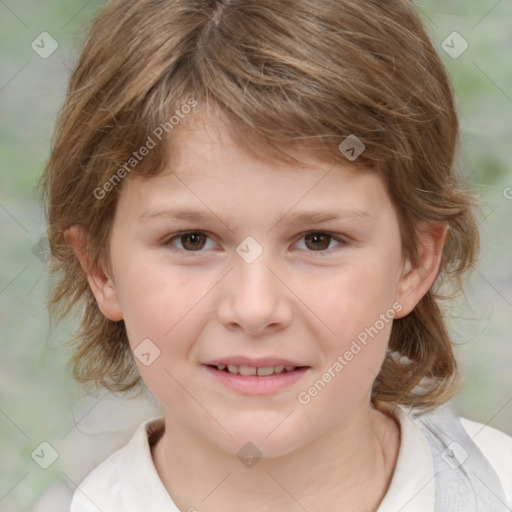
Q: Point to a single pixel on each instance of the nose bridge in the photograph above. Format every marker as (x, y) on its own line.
(256, 277)
(253, 297)
(254, 282)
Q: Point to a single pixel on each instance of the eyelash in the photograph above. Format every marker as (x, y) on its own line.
(325, 252)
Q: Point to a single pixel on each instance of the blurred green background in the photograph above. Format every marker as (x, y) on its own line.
(39, 400)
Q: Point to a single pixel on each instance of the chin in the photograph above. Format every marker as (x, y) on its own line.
(262, 438)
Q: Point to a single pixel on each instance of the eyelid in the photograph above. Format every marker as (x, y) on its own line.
(342, 240)
(166, 241)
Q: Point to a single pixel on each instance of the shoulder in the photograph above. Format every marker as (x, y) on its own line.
(119, 479)
(97, 490)
(485, 452)
(497, 449)
(442, 453)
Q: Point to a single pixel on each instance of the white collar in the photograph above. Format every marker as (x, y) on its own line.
(128, 479)
(412, 487)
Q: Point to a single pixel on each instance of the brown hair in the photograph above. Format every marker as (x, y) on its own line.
(306, 72)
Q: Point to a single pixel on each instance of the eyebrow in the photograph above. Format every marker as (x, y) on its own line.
(298, 218)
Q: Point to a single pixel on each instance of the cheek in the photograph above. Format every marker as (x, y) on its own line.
(352, 299)
(169, 307)
(360, 314)
(356, 305)
(158, 299)
(164, 312)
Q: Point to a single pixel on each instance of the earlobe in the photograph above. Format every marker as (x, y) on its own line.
(417, 279)
(101, 284)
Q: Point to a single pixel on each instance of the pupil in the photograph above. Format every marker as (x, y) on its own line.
(320, 241)
(317, 238)
(194, 238)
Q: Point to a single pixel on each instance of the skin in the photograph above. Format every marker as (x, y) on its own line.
(334, 453)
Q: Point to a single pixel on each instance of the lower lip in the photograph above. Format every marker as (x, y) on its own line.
(256, 385)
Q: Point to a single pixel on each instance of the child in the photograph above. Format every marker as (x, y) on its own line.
(204, 149)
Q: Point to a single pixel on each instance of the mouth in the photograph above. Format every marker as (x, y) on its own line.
(260, 371)
(256, 377)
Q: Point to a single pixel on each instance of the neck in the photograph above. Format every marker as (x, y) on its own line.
(348, 468)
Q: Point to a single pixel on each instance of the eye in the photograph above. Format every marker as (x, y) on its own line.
(195, 241)
(191, 241)
(319, 241)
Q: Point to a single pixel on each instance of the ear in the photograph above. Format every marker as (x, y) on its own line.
(417, 280)
(102, 285)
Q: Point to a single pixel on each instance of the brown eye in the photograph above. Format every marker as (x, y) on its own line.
(190, 241)
(317, 241)
(193, 241)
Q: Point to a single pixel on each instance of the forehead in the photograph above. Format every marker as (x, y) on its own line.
(204, 140)
(208, 172)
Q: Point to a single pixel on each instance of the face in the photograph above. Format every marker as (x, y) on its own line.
(258, 297)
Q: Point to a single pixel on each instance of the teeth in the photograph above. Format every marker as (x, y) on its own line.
(269, 370)
(247, 370)
(252, 370)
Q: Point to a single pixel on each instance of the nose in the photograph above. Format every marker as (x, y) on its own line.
(254, 298)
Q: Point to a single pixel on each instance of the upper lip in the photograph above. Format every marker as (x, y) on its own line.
(257, 362)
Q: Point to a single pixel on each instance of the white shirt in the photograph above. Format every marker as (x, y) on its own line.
(128, 481)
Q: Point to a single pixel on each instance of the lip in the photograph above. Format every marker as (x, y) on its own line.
(258, 362)
(255, 385)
